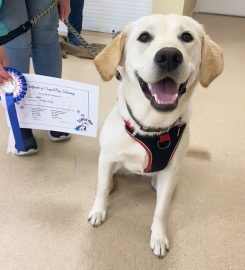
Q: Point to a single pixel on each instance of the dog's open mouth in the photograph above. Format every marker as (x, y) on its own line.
(164, 94)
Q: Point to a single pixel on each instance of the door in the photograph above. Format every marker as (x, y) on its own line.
(112, 15)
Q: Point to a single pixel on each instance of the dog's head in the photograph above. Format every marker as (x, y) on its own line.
(162, 55)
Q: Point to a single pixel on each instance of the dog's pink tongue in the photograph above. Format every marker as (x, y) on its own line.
(164, 91)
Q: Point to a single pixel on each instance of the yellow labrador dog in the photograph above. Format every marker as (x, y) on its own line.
(147, 132)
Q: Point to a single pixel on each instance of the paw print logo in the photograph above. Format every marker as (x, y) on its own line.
(84, 124)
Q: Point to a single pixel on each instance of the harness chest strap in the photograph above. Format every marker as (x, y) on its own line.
(160, 148)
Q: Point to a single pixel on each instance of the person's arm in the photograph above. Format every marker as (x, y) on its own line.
(64, 9)
(3, 63)
(3, 57)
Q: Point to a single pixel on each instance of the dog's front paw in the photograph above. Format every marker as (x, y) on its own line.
(159, 244)
(96, 217)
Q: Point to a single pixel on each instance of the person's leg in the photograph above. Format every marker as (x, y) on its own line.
(12, 14)
(76, 20)
(46, 52)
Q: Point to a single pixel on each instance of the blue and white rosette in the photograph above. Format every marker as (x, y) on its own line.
(13, 91)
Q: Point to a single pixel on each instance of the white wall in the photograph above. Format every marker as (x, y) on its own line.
(168, 6)
(227, 7)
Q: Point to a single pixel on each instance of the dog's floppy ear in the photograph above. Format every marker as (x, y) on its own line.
(212, 61)
(110, 57)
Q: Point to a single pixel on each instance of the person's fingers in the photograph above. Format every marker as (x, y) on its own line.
(64, 9)
(4, 61)
(68, 11)
(64, 14)
(3, 57)
(3, 74)
(61, 13)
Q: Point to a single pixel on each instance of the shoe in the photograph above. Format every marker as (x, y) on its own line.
(56, 136)
(29, 142)
(74, 41)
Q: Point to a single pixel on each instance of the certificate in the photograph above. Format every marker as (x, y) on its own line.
(60, 105)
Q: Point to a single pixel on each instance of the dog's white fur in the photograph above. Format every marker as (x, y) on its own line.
(202, 59)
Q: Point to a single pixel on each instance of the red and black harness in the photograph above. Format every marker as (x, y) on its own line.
(159, 147)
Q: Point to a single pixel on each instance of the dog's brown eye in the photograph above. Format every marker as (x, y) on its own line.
(187, 37)
(145, 37)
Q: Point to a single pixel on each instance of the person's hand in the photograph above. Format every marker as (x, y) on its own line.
(64, 9)
(4, 76)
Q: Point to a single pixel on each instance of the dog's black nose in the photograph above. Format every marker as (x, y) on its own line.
(168, 59)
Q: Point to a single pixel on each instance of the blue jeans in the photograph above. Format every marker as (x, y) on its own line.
(41, 42)
(76, 19)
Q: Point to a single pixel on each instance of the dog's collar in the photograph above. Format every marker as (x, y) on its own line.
(152, 129)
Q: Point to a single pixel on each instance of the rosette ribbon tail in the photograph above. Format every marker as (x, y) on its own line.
(19, 144)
